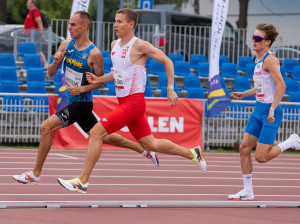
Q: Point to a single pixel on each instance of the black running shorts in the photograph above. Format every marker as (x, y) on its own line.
(80, 112)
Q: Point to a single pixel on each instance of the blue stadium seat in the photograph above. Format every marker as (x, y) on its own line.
(111, 90)
(105, 54)
(36, 87)
(96, 92)
(9, 74)
(191, 81)
(148, 91)
(289, 64)
(291, 86)
(107, 65)
(196, 93)
(250, 70)
(182, 68)
(148, 62)
(296, 74)
(283, 72)
(36, 75)
(197, 58)
(156, 68)
(8, 60)
(26, 48)
(11, 103)
(295, 97)
(176, 57)
(241, 84)
(33, 61)
(229, 70)
(243, 61)
(203, 69)
(223, 59)
(163, 82)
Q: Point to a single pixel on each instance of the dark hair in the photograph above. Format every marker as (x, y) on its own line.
(85, 17)
(130, 15)
(270, 31)
(34, 2)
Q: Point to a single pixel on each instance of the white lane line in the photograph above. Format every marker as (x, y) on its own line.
(159, 185)
(168, 177)
(80, 195)
(62, 155)
(102, 163)
(154, 170)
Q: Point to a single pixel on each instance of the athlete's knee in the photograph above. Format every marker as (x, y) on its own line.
(244, 149)
(97, 132)
(261, 159)
(45, 128)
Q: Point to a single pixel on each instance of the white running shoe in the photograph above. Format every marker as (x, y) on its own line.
(27, 177)
(151, 156)
(295, 141)
(242, 195)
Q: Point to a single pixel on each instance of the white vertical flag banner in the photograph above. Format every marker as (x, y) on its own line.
(78, 5)
(217, 99)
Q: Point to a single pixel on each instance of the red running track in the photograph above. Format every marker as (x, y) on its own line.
(128, 176)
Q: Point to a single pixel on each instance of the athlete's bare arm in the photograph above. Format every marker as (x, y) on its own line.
(138, 55)
(271, 65)
(58, 58)
(93, 79)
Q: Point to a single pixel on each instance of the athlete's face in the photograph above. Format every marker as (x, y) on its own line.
(122, 27)
(75, 26)
(260, 42)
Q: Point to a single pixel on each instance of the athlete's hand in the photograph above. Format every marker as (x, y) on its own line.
(59, 56)
(172, 96)
(92, 79)
(74, 90)
(271, 117)
(237, 95)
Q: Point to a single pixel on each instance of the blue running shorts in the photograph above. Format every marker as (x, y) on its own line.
(259, 126)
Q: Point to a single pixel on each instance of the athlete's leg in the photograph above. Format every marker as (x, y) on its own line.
(119, 141)
(246, 147)
(47, 127)
(164, 146)
(265, 152)
(97, 134)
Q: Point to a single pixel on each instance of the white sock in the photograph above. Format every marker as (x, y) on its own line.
(248, 182)
(145, 153)
(285, 145)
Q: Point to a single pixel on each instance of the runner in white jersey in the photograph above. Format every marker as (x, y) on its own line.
(129, 78)
(129, 56)
(265, 121)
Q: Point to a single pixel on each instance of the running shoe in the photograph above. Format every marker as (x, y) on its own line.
(199, 158)
(27, 177)
(242, 195)
(294, 139)
(73, 185)
(152, 157)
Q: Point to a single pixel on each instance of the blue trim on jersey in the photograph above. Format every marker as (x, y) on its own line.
(81, 65)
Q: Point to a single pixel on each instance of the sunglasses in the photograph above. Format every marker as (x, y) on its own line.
(257, 38)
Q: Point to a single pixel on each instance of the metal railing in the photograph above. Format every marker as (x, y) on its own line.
(21, 116)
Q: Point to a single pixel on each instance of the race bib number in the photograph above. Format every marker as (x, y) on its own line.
(73, 78)
(119, 79)
(259, 89)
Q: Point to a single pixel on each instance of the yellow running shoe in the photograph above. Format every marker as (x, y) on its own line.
(73, 185)
(199, 158)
